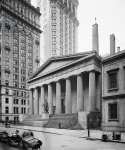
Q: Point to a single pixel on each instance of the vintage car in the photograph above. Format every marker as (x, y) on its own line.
(15, 139)
(4, 136)
(29, 141)
(26, 140)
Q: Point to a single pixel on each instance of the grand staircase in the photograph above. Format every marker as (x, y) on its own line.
(34, 120)
(64, 121)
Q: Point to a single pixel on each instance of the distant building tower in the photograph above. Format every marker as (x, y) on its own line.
(60, 24)
(19, 54)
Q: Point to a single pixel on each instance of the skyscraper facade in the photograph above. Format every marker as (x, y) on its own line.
(19, 55)
(59, 25)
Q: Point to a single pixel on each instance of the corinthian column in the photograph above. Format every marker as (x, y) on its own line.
(36, 103)
(68, 97)
(42, 100)
(80, 93)
(92, 90)
(31, 102)
(58, 97)
(50, 99)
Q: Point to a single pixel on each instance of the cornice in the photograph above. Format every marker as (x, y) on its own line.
(114, 57)
(115, 96)
(26, 4)
(20, 18)
(31, 6)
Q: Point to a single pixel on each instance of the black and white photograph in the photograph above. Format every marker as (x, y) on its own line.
(62, 75)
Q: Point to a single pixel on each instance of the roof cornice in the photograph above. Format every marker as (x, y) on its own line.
(11, 12)
(114, 57)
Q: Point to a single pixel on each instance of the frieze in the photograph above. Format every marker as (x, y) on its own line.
(65, 72)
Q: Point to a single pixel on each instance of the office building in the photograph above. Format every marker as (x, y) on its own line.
(19, 55)
(59, 25)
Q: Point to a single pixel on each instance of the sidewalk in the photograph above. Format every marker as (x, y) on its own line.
(94, 134)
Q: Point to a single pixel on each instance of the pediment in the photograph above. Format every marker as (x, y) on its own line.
(56, 63)
(53, 66)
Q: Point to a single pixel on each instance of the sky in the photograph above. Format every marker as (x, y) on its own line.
(110, 16)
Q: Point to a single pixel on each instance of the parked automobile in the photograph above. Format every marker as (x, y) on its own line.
(4, 136)
(26, 140)
(15, 139)
(29, 141)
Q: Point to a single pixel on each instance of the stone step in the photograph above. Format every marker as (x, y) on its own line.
(62, 121)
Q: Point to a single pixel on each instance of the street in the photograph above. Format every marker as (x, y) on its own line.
(66, 142)
(4, 146)
(62, 142)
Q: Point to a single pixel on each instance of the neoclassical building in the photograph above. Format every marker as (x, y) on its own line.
(68, 84)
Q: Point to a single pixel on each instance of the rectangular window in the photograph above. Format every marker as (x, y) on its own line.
(7, 110)
(15, 110)
(15, 84)
(6, 82)
(23, 110)
(7, 91)
(112, 80)
(16, 119)
(23, 102)
(15, 101)
(113, 112)
(6, 119)
(6, 100)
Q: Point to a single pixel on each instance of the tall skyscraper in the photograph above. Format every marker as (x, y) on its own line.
(59, 25)
(19, 54)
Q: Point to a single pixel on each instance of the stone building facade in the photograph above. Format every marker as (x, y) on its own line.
(19, 54)
(113, 92)
(67, 84)
(59, 25)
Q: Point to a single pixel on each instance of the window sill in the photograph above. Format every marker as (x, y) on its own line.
(113, 120)
(113, 89)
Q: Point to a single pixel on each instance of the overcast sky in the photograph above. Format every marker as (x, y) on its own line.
(110, 16)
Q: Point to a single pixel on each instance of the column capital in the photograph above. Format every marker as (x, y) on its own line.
(92, 71)
(58, 81)
(50, 83)
(31, 89)
(79, 74)
(68, 78)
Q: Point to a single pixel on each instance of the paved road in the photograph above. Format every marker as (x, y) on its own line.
(6, 147)
(65, 142)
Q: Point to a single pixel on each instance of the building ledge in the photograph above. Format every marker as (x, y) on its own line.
(24, 19)
(113, 95)
(112, 89)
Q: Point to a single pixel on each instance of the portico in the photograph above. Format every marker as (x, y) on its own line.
(66, 88)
